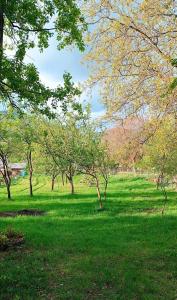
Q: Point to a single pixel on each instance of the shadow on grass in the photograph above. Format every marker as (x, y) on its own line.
(55, 207)
(75, 252)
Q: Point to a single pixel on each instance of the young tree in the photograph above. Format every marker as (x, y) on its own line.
(24, 25)
(106, 164)
(28, 135)
(60, 142)
(94, 160)
(160, 155)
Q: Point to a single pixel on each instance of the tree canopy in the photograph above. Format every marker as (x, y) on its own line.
(24, 25)
(133, 54)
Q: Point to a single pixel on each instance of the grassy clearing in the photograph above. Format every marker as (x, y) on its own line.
(128, 251)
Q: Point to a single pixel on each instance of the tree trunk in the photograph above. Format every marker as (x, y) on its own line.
(6, 175)
(133, 166)
(159, 179)
(72, 185)
(98, 192)
(70, 179)
(53, 181)
(30, 168)
(105, 189)
(163, 189)
(8, 184)
(8, 191)
(62, 178)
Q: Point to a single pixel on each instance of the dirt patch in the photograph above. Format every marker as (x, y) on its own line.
(23, 212)
(149, 210)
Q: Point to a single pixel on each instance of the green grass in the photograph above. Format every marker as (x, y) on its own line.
(128, 251)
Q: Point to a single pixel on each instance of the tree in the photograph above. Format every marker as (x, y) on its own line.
(124, 142)
(24, 25)
(160, 155)
(106, 164)
(51, 169)
(133, 55)
(60, 142)
(93, 159)
(28, 135)
(9, 146)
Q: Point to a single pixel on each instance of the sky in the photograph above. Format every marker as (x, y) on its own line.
(51, 65)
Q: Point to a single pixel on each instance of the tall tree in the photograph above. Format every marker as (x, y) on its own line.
(24, 25)
(133, 55)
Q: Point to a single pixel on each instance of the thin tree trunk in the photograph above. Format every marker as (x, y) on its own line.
(62, 178)
(158, 181)
(165, 200)
(72, 185)
(70, 179)
(53, 181)
(8, 191)
(164, 193)
(105, 178)
(6, 175)
(8, 184)
(105, 189)
(30, 168)
(133, 167)
(98, 192)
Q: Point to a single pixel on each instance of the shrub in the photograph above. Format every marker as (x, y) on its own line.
(10, 238)
(3, 241)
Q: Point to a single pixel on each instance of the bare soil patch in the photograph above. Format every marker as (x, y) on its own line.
(23, 212)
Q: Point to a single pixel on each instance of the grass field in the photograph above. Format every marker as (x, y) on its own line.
(128, 251)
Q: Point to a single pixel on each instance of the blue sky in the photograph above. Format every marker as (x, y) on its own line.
(53, 63)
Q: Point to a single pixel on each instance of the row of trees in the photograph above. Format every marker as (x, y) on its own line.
(68, 147)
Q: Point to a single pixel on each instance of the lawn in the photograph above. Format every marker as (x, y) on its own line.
(128, 251)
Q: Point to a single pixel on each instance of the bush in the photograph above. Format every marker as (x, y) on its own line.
(11, 234)
(3, 241)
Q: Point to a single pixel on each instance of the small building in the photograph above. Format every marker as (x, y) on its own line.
(16, 168)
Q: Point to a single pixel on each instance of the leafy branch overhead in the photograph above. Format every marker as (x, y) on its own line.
(132, 55)
(24, 25)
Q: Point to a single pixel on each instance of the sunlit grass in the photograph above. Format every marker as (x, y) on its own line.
(128, 251)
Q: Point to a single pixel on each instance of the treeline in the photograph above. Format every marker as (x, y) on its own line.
(65, 146)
